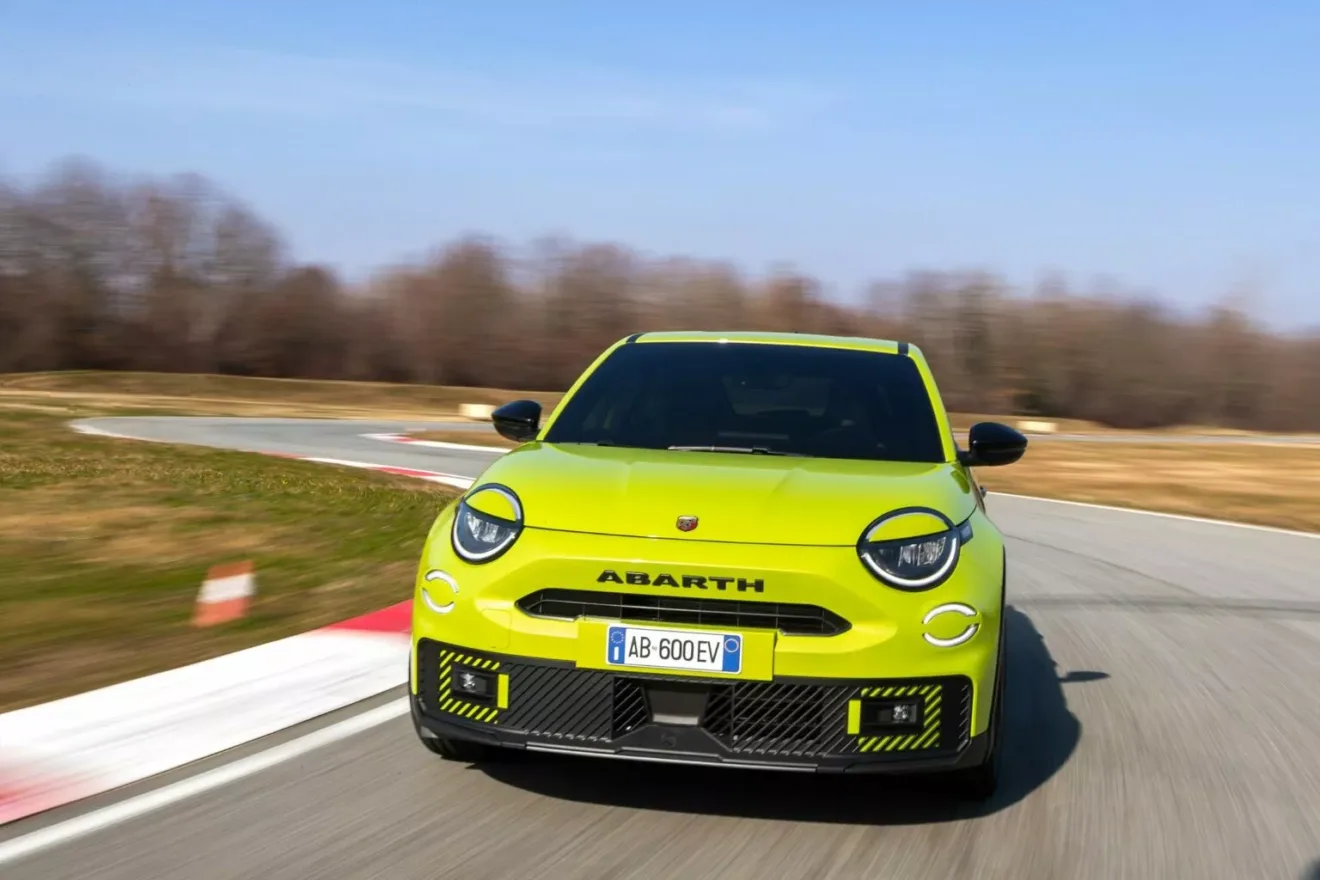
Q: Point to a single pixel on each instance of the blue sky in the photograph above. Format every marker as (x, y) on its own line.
(1172, 146)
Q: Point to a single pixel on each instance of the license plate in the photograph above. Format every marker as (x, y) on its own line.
(674, 649)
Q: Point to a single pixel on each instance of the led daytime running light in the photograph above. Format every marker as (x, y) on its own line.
(948, 544)
(484, 528)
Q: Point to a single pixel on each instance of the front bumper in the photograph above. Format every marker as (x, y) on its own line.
(498, 607)
(812, 725)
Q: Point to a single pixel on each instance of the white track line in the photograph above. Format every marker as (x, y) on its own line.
(456, 480)
(1177, 516)
(462, 447)
(102, 432)
(405, 440)
(115, 814)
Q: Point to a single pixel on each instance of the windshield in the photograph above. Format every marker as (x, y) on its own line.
(755, 398)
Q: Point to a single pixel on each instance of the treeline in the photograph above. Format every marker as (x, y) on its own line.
(172, 275)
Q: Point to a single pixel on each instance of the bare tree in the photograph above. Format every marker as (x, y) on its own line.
(174, 275)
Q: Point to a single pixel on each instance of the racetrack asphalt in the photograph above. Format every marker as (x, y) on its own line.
(1162, 716)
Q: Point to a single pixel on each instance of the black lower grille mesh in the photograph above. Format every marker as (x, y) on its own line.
(766, 718)
(630, 708)
(747, 718)
(560, 702)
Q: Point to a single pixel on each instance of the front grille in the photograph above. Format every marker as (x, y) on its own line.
(789, 619)
(630, 707)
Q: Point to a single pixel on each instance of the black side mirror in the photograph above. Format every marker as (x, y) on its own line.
(518, 421)
(991, 444)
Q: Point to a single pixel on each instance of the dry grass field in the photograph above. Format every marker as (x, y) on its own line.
(104, 544)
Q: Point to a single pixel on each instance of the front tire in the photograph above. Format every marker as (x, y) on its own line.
(451, 749)
(457, 749)
(980, 783)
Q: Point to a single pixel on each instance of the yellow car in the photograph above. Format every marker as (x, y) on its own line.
(742, 549)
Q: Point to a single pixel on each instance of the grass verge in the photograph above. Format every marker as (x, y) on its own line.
(1272, 485)
(104, 544)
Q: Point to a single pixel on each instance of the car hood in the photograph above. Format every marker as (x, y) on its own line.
(736, 497)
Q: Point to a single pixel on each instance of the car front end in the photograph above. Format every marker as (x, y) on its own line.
(617, 646)
(678, 603)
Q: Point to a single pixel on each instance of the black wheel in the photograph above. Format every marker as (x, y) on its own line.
(452, 749)
(457, 749)
(979, 783)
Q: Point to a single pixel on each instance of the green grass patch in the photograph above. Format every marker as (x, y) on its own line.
(104, 544)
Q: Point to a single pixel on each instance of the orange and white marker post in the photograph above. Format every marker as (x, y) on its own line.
(225, 594)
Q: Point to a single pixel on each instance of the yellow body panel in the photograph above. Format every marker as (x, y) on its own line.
(779, 530)
(884, 641)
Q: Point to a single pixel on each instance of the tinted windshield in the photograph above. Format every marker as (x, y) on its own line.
(787, 399)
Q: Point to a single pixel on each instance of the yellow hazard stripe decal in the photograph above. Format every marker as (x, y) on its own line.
(462, 708)
(927, 737)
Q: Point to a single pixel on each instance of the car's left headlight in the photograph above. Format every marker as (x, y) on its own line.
(921, 562)
(486, 524)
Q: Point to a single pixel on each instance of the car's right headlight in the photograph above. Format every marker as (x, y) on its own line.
(915, 562)
(488, 520)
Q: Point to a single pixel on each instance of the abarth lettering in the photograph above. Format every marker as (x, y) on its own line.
(685, 581)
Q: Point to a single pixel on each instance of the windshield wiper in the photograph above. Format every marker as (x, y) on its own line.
(751, 450)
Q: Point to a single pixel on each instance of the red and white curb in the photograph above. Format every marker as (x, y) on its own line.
(456, 480)
(434, 444)
(66, 750)
(92, 431)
